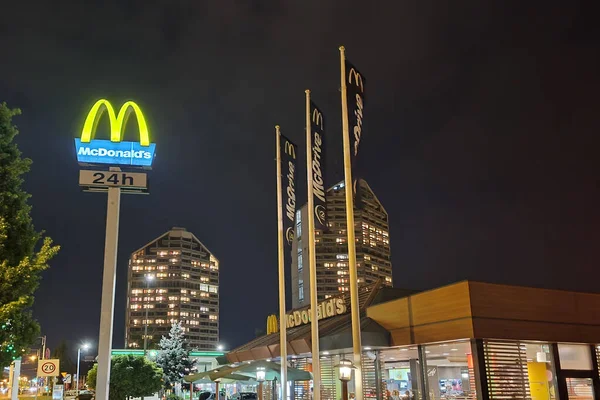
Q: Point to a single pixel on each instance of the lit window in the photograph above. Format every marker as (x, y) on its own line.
(213, 317)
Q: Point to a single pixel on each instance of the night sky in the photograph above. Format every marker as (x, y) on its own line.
(480, 136)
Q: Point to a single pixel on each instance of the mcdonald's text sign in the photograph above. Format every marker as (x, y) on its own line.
(114, 151)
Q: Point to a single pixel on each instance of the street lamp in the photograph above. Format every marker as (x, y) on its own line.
(345, 368)
(260, 378)
(85, 346)
(149, 278)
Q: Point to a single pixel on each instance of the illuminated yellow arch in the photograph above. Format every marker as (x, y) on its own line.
(117, 122)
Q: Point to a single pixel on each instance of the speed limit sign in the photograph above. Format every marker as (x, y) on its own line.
(48, 367)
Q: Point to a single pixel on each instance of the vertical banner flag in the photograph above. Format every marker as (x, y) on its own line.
(317, 127)
(288, 153)
(355, 96)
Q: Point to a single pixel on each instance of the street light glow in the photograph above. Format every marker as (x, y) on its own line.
(220, 347)
(85, 346)
(149, 277)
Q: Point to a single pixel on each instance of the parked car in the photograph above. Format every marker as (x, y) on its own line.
(244, 396)
(85, 395)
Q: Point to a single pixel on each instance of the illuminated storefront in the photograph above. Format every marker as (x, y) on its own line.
(468, 340)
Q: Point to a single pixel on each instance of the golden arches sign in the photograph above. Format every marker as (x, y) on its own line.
(272, 325)
(117, 121)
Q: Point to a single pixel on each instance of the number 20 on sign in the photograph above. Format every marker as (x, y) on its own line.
(48, 367)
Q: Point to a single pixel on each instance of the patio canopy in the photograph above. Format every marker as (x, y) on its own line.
(247, 371)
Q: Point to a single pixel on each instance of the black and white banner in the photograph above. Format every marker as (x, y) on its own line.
(317, 128)
(355, 97)
(288, 153)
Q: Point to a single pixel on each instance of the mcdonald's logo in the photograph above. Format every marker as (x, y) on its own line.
(272, 325)
(353, 73)
(114, 151)
(289, 149)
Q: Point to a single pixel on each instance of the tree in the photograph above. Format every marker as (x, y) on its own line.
(21, 259)
(62, 353)
(130, 376)
(173, 356)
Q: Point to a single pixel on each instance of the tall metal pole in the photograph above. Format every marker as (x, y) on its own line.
(354, 305)
(314, 322)
(77, 380)
(281, 262)
(37, 379)
(43, 355)
(108, 290)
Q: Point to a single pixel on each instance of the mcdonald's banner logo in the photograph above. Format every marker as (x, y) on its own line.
(114, 151)
(272, 324)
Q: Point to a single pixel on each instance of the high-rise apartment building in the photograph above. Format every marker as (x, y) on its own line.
(173, 278)
(373, 259)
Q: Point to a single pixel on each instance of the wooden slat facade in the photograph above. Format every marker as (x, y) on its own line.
(481, 310)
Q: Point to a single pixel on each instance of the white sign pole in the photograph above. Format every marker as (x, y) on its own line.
(15, 374)
(108, 291)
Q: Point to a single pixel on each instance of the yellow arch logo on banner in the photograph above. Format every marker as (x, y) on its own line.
(272, 326)
(117, 121)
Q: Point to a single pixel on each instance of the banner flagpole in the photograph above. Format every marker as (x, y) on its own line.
(281, 262)
(354, 305)
(314, 321)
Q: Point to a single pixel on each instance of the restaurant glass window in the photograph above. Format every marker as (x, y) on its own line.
(450, 371)
(401, 373)
(541, 371)
(523, 370)
(580, 388)
(575, 357)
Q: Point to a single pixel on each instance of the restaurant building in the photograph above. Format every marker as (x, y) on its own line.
(468, 340)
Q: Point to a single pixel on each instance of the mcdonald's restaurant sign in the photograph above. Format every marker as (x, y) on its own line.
(272, 325)
(326, 309)
(114, 151)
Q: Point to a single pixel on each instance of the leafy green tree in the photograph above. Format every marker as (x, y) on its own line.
(130, 376)
(62, 353)
(173, 356)
(92, 375)
(21, 258)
